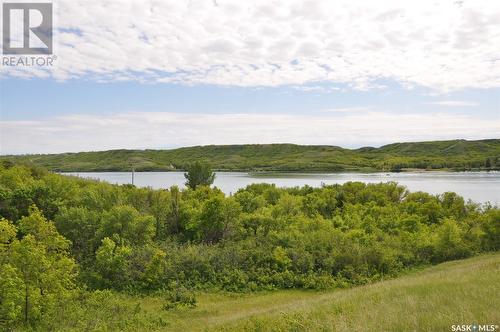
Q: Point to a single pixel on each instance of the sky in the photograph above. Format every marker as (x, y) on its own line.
(164, 74)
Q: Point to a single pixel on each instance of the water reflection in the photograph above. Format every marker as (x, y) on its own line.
(478, 186)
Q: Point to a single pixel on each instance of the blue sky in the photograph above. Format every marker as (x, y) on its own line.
(168, 74)
(48, 98)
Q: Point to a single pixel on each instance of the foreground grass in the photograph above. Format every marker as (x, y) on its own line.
(460, 292)
(433, 299)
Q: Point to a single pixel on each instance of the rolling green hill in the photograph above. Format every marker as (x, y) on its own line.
(453, 155)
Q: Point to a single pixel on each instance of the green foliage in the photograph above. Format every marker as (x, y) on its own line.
(125, 224)
(199, 174)
(37, 274)
(491, 227)
(111, 263)
(43, 231)
(103, 310)
(140, 240)
(7, 233)
(178, 298)
(11, 296)
(450, 242)
(218, 218)
(80, 226)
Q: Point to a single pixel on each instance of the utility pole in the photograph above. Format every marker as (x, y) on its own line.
(133, 175)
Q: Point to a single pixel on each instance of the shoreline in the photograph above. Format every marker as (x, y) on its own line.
(258, 172)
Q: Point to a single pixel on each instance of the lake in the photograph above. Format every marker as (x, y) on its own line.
(478, 186)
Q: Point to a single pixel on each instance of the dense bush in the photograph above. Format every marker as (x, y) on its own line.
(143, 240)
(179, 297)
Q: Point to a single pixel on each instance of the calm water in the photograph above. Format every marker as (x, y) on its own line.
(478, 186)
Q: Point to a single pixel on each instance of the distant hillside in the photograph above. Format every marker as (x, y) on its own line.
(453, 155)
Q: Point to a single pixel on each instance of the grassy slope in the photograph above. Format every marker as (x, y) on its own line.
(459, 292)
(276, 157)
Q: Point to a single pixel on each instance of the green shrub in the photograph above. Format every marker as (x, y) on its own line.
(178, 298)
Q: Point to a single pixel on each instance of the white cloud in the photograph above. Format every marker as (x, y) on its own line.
(346, 110)
(316, 88)
(444, 45)
(454, 103)
(139, 130)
